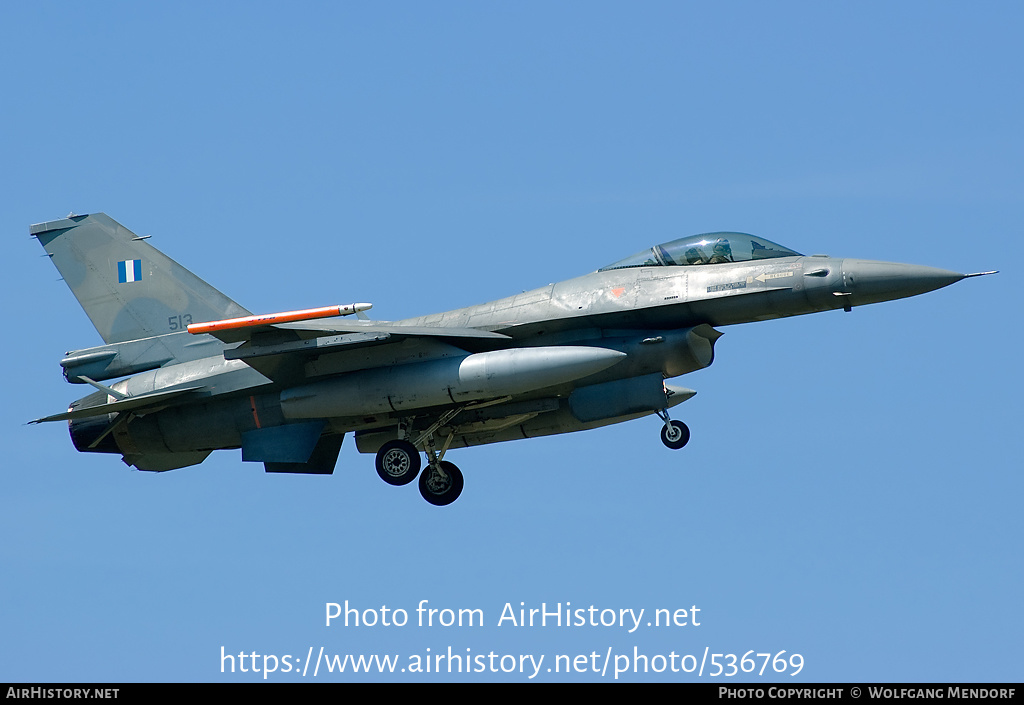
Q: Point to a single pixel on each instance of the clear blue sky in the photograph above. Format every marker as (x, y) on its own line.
(852, 490)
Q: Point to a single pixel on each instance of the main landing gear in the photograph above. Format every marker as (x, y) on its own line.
(398, 463)
(441, 485)
(441, 482)
(674, 434)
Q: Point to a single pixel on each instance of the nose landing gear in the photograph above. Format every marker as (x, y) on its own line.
(674, 434)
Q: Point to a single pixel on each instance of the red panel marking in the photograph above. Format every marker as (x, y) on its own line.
(255, 416)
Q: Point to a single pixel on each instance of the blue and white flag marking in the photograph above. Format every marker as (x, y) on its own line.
(129, 270)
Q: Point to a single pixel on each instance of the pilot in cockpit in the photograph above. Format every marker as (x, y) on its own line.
(721, 252)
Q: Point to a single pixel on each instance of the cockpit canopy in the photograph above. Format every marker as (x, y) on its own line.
(709, 248)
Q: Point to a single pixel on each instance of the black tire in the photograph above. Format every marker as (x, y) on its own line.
(440, 492)
(398, 463)
(675, 437)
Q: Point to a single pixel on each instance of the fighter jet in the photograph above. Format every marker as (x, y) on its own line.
(196, 372)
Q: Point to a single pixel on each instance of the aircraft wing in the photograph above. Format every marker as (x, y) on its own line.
(139, 403)
(279, 344)
(316, 329)
(392, 329)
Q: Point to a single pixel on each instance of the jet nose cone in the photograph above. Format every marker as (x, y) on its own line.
(866, 281)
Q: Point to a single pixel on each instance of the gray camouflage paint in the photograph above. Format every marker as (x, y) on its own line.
(647, 323)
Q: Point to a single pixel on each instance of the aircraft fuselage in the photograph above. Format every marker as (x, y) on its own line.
(582, 353)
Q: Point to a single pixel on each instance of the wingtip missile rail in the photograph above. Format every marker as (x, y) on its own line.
(269, 319)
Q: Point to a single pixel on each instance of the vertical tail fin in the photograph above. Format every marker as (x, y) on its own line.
(128, 288)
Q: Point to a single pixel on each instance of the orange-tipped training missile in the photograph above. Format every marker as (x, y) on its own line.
(269, 319)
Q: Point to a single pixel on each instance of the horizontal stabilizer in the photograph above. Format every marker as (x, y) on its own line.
(142, 402)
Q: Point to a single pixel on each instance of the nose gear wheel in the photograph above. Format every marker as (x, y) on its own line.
(674, 434)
